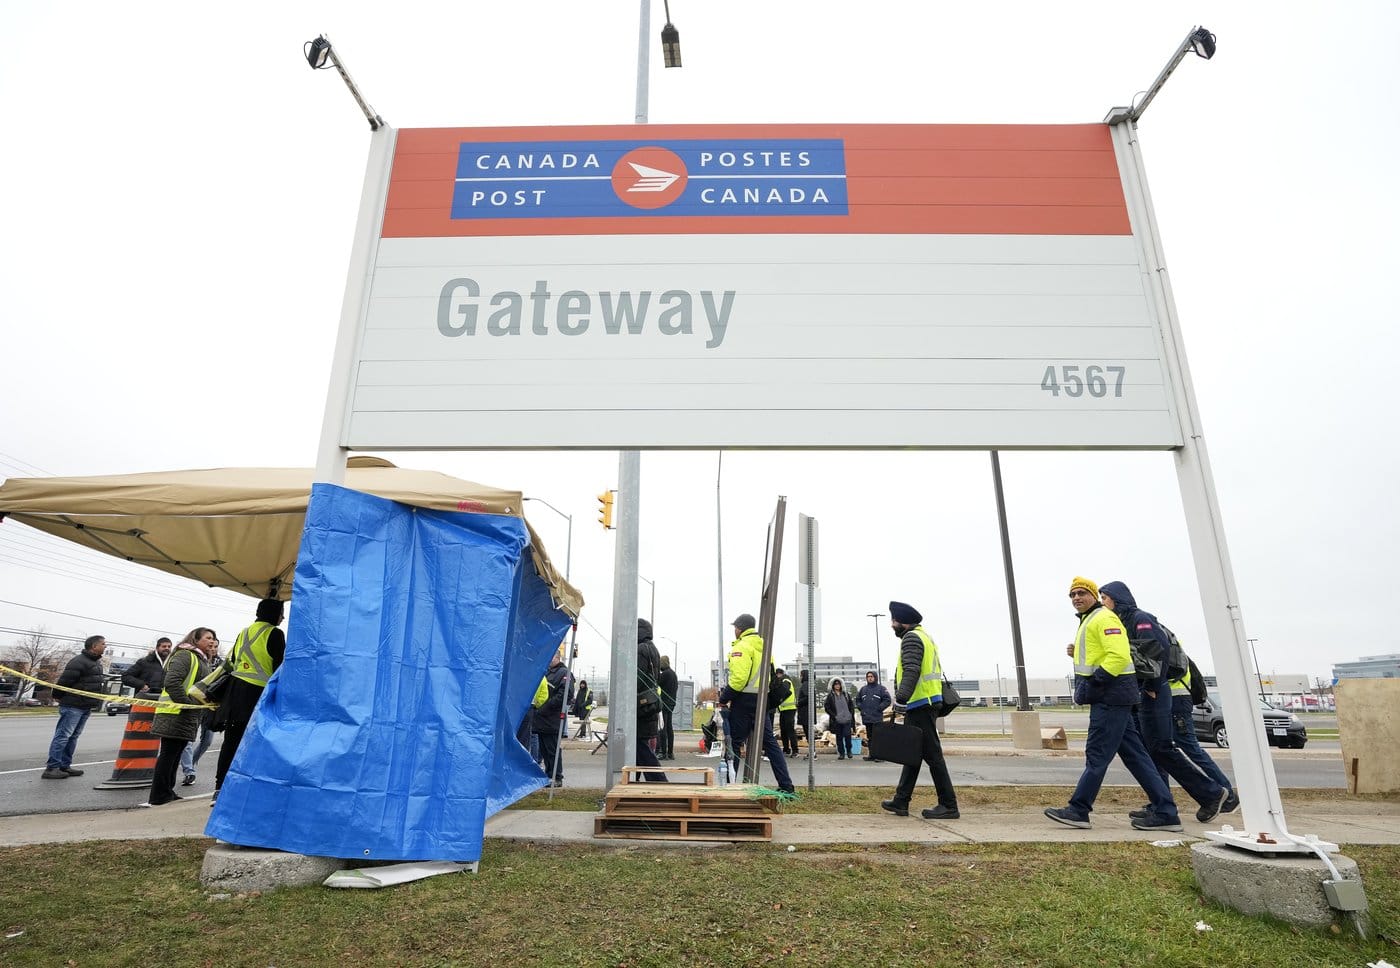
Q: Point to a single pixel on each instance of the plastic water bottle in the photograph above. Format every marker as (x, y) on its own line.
(722, 773)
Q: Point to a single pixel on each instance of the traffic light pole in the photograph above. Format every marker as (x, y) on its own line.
(622, 684)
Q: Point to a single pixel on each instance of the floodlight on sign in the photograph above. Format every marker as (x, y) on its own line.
(1203, 43)
(318, 53)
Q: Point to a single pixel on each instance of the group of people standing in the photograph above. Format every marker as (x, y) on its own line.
(183, 721)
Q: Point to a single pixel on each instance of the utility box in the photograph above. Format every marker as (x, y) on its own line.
(1053, 738)
(1370, 733)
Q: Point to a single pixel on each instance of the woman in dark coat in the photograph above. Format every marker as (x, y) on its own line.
(841, 713)
(178, 727)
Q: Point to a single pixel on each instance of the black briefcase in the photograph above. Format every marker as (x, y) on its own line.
(896, 743)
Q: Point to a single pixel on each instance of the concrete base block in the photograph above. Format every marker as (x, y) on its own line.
(238, 869)
(1284, 886)
(1025, 729)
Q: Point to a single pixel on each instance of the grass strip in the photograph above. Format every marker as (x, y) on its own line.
(583, 905)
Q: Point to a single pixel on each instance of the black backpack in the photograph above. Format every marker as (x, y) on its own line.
(1178, 662)
(777, 689)
(1198, 684)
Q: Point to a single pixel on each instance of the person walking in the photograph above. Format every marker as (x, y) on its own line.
(740, 693)
(918, 694)
(1106, 681)
(84, 672)
(1155, 706)
(146, 676)
(872, 701)
(667, 683)
(190, 755)
(549, 704)
(787, 714)
(648, 701)
(582, 709)
(257, 654)
(841, 714)
(175, 726)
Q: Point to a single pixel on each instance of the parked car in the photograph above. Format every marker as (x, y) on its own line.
(1280, 728)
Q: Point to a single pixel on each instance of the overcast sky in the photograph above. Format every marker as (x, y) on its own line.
(180, 199)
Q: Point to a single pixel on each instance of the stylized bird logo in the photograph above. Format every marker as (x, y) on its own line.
(651, 179)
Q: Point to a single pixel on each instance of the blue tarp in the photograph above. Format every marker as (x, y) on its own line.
(416, 641)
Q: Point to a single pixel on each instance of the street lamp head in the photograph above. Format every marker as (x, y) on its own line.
(671, 45)
(318, 52)
(1203, 43)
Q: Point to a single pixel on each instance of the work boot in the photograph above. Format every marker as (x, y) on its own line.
(1231, 804)
(55, 773)
(1210, 810)
(1139, 814)
(1068, 817)
(894, 808)
(72, 772)
(940, 812)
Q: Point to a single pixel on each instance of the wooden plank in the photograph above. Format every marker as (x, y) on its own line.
(675, 797)
(707, 775)
(668, 810)
(683, 829)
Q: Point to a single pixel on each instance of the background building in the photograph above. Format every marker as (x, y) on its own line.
(1369, 667)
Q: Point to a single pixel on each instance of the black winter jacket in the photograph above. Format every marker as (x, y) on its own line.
(84, 671)
(545, 719)
(147, 674)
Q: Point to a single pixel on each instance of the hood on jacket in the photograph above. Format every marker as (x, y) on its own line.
(643, 631)
(1118, 591)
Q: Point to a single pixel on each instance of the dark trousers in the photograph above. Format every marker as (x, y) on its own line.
(667, 736)
(167, 764)
(646, 756)
(926, 721)
(1184, 732)
(742, 714)
(843, 741)
(1113, 732)
(1155, 720)
(787, 727)
(549, 747)
(233, 735)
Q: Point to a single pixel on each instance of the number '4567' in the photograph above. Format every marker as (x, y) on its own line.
(1069, 380)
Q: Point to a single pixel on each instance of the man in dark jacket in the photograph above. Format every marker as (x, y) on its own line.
(84, 671)
(804, 706)
(648, 700)
(547, 716)
(1155, 706)
(147, 674)
(667, 683)
(918, 693)
(1105, 681)
(872, 701)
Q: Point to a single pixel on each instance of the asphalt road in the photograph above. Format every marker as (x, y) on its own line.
(24, 742)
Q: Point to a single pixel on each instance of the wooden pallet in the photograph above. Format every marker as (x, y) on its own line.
(684, 828)
(676, 799)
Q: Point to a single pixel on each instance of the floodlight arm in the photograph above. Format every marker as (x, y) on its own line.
(1200, 40)
(375, 121)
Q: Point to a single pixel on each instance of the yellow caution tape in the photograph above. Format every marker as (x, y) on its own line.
(124, 700)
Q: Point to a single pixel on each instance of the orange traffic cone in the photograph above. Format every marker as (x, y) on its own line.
(136, 757)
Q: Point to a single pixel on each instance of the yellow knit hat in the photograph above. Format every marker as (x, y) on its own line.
(1086, 584)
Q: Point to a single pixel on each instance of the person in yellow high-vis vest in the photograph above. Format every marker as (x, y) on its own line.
(175, 726)
(257, 654)
(918, 694)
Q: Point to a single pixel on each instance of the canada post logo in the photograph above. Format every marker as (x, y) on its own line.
(593, 179)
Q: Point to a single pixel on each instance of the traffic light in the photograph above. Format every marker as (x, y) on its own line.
(605, 509)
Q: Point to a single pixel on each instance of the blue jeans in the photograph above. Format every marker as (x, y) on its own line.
(1113, 732)
(1155, 719)
(741, 720)
(71, 721)
(190, 755)
(1184, 732)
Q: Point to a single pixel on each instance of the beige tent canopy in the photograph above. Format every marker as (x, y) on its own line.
(237, 528)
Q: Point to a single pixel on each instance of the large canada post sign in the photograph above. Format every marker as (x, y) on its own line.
(764, 286)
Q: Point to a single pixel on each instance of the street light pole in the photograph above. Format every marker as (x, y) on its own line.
(651, 616)
(876, 616)
(1257, 677)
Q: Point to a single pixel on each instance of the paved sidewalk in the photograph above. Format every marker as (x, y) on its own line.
(1359, 822)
